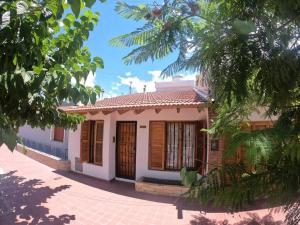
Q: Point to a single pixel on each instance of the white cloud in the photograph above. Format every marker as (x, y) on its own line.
(137, 83)
(128, 74)
(109, 94)
(90, 80)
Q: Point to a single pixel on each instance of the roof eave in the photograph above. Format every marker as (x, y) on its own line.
(145, 107)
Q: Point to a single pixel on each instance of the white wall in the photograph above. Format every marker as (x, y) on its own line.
(74, 146)
(43, 136)
(175, 85)
(74, 150)
(107, 171)
(260, 115)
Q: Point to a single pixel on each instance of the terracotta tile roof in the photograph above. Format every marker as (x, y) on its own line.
(146, 100)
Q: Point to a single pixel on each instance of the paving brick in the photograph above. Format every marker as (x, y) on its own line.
(37, 194)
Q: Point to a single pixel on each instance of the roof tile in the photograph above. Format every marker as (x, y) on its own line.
(146, 100)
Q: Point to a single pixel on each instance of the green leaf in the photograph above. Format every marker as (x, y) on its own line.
(67, 22)
(71, 18)
(89, 3)
(75, 6)
(188, 177)
(93, 98)
(98, 89)
(15, 59)
(99, 62)
(84, 97)
(54, 5)
(8, 137)
(38, 69)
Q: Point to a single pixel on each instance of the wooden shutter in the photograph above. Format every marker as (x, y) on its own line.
(59, 134)
(249, 126)
(85, 141)
(98, 146)
(157, 145)
(260, 125)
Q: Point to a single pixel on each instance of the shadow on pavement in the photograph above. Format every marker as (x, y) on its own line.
(21, 201)
(252, 219)
(127, 189)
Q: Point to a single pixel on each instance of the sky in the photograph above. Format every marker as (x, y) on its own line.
(115, 78)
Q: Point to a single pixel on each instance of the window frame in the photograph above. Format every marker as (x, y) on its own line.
(180, 141)
(200, 146)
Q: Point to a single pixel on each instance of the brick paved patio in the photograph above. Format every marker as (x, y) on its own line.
(31, 193)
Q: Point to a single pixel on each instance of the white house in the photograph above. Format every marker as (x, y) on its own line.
(150, 135)
(53, 140)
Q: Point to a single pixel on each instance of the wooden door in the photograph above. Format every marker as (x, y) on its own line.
(126, 150)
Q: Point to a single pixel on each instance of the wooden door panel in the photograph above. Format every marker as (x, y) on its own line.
(126, 149)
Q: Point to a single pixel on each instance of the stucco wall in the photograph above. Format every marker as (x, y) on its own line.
(45, 137)
(74, 150)
(107, 171)
(260, 115)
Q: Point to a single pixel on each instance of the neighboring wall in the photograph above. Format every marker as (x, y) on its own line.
(107, 170)
(42, 140)
(215, 158)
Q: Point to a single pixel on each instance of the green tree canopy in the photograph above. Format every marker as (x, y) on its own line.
(44, 63)
(249, 53)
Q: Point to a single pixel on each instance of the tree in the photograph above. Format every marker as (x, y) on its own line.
(249, 52)
(44, 63)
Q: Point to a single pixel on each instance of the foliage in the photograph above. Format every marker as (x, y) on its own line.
(188, 177)
(249, 53)
(44, 63)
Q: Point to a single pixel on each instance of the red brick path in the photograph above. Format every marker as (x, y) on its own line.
(31, 193)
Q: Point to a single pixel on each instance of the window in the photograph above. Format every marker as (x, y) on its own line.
(58, 134)
(174, 145)
(91, 142)
(181, 145)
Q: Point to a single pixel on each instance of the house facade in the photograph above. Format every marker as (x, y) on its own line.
(53, 141)
(152, 134)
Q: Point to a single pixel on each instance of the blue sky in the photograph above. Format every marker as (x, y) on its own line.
(115, 76)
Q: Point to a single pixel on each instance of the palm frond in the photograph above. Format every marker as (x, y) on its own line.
(179, 63)
(139, 37)
(132, 12)
(158, 47)
(258, 145)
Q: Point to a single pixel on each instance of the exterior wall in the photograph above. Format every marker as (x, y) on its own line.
(46, 159)
(177, 84)
(43, 139)
(90, 169)
(260, 115)
(107, 171)
(215, 158)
